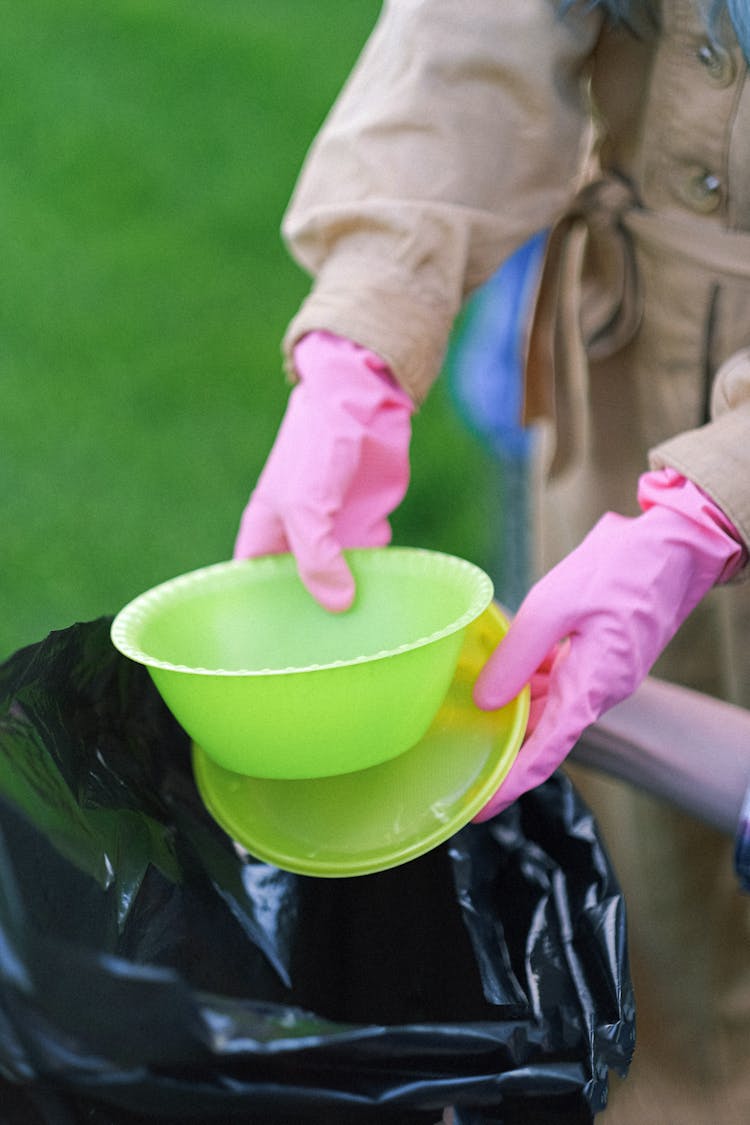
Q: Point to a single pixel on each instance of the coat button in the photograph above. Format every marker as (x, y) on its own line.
(717, 63)
(700, 190)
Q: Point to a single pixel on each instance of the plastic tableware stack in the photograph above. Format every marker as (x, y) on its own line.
(325, 744)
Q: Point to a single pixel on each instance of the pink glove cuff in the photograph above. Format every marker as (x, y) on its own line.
(713, 531)
(326, 363)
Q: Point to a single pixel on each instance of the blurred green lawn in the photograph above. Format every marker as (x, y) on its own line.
(149, 148)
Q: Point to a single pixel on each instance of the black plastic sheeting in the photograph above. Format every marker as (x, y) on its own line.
(150, 969)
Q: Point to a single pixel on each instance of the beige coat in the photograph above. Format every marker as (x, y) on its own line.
(467, 126)
(464, 129)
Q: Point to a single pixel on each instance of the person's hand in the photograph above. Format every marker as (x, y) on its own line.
(338, 467)
(588, 632)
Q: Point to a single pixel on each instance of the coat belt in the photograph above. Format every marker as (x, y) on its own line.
(589, 298)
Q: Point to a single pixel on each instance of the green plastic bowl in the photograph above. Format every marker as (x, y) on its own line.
(374, 819)
(271, 685)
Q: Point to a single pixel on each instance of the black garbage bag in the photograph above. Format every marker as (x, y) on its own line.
(150, 969)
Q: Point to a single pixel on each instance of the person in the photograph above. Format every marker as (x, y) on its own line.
(624, 130)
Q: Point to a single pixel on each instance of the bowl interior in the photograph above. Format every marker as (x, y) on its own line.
(256, 616)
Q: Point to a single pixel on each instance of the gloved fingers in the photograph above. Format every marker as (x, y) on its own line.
(561, 713)
(320, 562)
(508, 792)
(338, 467)
(537, 760)
(309, 536)
(539, 693)
(530, 769)
(539, 687)
(261, 531)
(516, 659)
(378, 485)
(574, 700)
(313, 520)
(299, 494)
(537, 705)
(350, 533)
(352, 487)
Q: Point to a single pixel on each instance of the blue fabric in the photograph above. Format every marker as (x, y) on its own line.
(485, 373)
(486, 356)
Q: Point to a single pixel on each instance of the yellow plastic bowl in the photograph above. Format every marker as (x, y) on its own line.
(271, 685)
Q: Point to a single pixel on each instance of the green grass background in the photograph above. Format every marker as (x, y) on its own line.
(149, 148)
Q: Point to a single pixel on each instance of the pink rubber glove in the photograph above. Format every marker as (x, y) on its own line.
(588, 632)
(337, 469)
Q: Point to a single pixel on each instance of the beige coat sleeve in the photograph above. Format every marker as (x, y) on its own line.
(717, 456)
(458, 135)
